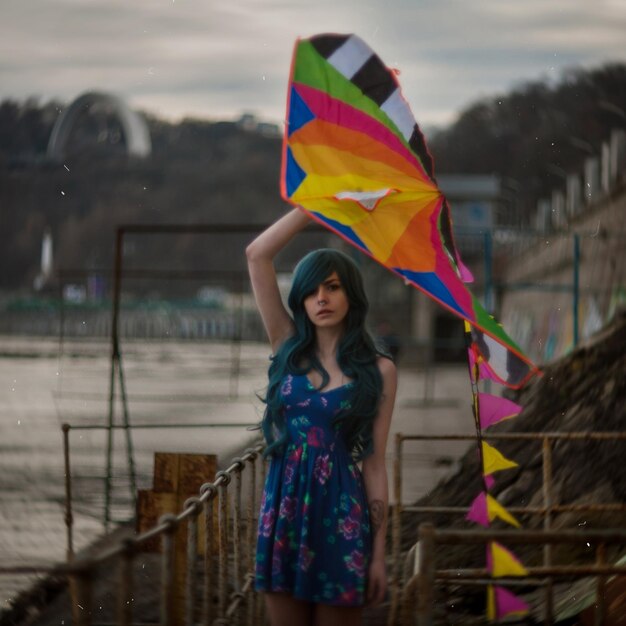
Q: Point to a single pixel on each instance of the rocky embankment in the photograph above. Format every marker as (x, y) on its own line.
(582, 392)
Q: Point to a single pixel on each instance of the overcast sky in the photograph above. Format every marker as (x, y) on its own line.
(218, 58)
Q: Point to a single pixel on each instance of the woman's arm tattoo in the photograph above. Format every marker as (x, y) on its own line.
(377, 515)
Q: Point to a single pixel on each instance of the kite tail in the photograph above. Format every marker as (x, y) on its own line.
(501, 562)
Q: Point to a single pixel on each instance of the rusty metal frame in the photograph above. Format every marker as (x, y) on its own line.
(423, 583)
(549, 507)
(116, 369)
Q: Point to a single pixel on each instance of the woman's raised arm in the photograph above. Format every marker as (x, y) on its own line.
(260, 254)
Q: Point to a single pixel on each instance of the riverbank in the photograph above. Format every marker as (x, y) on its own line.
(168, 383)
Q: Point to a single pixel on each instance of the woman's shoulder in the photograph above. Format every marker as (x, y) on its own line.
(386, 366)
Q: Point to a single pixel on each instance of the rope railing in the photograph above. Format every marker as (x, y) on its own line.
(234, 577)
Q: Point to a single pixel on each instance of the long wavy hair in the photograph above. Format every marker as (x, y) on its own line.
(356, 354)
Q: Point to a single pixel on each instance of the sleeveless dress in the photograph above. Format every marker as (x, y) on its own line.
(314, 539)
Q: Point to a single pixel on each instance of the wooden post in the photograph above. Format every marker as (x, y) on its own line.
(176, 478)
(426, 575)
(81, 585)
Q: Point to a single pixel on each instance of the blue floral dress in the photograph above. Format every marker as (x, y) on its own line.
(314, 537)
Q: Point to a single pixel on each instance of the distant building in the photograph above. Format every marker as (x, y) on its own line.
(478, 204)
(475, 202)
(131, 130)
(250, 123)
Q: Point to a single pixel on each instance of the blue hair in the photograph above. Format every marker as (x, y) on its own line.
(356, 354)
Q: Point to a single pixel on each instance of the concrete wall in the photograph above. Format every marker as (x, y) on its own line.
(540, 318)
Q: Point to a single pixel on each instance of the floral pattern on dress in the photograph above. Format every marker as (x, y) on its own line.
(305, 557)
(314, 538)
(355, 562)
(322, 469)
(285, 388)
(267, 522)
(315, 437)
(349, 527)
(288, 507)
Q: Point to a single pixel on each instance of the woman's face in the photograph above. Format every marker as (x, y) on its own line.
(327, 305)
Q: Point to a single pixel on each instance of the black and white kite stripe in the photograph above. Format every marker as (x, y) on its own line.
(355, 60)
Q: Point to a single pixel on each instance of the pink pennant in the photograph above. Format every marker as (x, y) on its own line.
(478, 510)
(508, 603)
(494, 409)
(490, 481)
(466, 275)
(484, 373)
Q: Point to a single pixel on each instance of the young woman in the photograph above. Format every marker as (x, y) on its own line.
(321, 543)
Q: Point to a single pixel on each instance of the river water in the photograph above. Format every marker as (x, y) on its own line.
(213, 384)
(44, 384)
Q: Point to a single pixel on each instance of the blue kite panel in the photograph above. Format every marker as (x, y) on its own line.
(294, 174)
(431, 282)
(343, 230)
(299, 112)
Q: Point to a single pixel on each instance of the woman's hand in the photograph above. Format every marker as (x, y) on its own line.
(376, 582)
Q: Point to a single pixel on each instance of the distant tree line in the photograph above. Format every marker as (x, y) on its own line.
(533, 135)
(217, 172)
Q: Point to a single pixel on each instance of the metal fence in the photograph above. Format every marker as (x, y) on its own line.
(547, 511)
(418, 593)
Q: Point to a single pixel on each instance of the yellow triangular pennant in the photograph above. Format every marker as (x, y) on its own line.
(495, 509)
(504, 563)
(491, 603)
(494, 461)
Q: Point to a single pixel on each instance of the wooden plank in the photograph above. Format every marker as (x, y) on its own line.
(177, 477)
(150, 506)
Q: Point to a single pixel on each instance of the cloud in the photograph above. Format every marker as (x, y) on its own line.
(219, 58)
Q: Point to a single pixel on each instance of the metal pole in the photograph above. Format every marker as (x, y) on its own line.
(576, 286)
(127, 432)
(235, 348)
(115, 353)
(69, 518)
(547, 525)
(61, 318)
(426, 576)
(109, 459)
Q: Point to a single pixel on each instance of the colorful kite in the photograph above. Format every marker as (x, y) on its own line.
(355, 159)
